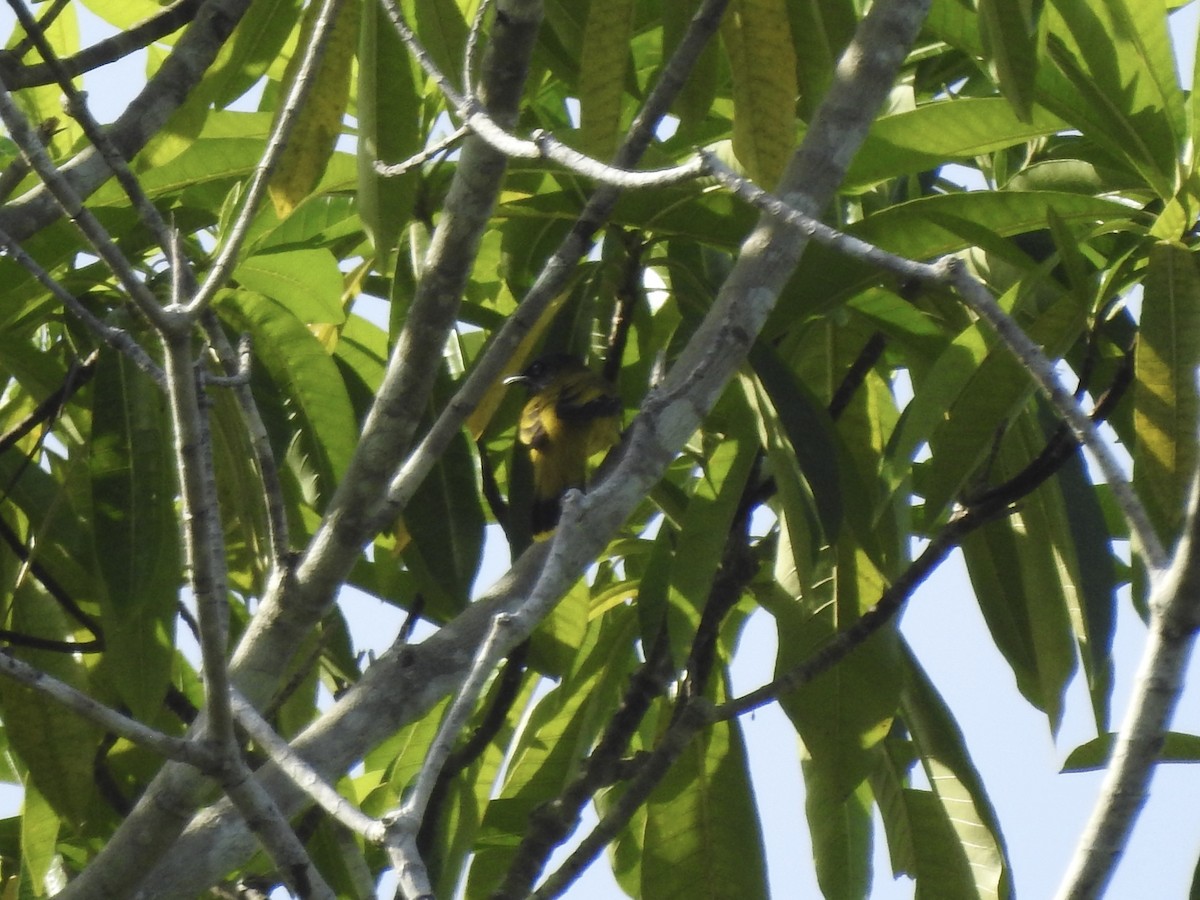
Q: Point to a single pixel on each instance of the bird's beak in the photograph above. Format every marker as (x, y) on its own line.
(515, 379)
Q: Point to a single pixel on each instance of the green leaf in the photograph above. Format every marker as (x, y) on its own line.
(757, 35)
(1082, 546)
(702, 837)
(244, 58)
(602, 67)
(305, 282)
(820, 32)
(1009, 34)
(1023, 587)
(240, 495)
(447, 534)
(443, 33)
(56, 745)
(956, 784)
(795, 415)
(926, 137)
(1116, 82)
(137, 536)
(318, 124)
(388, 119)
(560, 730)
(305, 376)
(212, 162)
(321, 220)
(1096, 753)
(715, 497)
(696, 96)
(840, 825)
(847, 709)
(921, 838)
(1165, 395)
(39, 839)
(251, 50)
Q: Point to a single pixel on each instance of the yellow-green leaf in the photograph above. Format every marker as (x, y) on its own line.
(1166, 400)
(319, 123)
(762, 59)
(602, 67)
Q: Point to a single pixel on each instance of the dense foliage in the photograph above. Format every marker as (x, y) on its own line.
(876, 423)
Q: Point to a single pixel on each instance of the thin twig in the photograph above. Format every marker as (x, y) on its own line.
(34, 150)
(486, 658)
(202, 534)
(471, 53)
(303, 775)
(120, 340)
(950, 272)
(404, 824)
(390, 170)
(237, 363)
(77, 108)
(103, 52)
(271, 827)
(178, 749)
(1174, 621)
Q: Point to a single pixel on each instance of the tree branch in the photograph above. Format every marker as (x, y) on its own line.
(187, 752)
(950, 272)
(101, 53)
(34, 150)
(203, 538)
(142, 119)
(1174, 621)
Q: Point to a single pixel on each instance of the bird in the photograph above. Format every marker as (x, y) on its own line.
(571, 415)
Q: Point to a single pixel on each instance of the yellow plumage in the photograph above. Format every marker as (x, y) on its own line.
(572, 414)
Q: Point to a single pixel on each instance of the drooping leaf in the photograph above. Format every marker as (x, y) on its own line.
(1017, 569)
(1009, 34)
(319, 122)
(702, 837)
(136, 531)
(762, 58)
(602, 68)
(1166, 396)
(56, 745)
(305, 375)
(559, 731)
(840, 824)
(448, 534)
(714, 501)
(39, 838)
(388, 117)
(959, 790)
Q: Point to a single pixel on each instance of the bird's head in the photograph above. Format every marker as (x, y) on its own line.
(543, 370)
